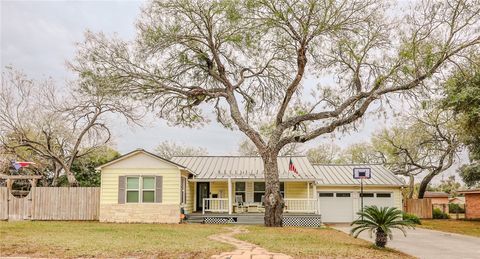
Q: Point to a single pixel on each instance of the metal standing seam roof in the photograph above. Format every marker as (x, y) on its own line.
(343, 175)
(244, 167)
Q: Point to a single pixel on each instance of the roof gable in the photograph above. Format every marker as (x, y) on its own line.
(140, 159)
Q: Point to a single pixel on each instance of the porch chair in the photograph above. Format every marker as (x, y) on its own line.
(240, 203)
(262, 204)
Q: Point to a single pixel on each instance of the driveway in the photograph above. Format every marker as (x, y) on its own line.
(424, 243)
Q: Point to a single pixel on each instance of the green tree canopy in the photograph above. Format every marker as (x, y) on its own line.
(463, 96)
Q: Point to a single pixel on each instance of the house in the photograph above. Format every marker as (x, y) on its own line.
(457, 200)
(439, 200)
(143, 187)
(472, 203)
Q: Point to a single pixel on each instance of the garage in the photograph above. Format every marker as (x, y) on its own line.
(379, 199)
(336, 206)
(338, 192)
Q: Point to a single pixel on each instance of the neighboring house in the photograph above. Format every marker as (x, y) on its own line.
(439, 200)
(143, 187)
(472, 203)
(457, 200)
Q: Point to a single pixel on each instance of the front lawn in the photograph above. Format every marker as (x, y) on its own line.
(89, 239)
(315, 243)
(464, 227)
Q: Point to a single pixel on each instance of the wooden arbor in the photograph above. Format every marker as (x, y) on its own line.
(11, 178)
(13, 208)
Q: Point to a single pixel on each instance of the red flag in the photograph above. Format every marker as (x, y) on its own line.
(292, 168)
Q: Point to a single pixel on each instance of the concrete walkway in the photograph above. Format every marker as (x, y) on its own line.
(244, 249)
(424, 243)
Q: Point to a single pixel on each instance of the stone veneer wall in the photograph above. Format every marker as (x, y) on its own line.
(472, 205)
(140, 213)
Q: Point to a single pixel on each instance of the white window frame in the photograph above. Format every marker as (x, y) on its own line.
(154, 188)
(141, 189)
(265, 188)
(382, 193)
(254, 192)
(240, 192)
(183, 190)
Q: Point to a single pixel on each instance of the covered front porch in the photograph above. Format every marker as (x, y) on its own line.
(246, 197)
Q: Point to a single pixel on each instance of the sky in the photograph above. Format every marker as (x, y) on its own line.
(38, 38)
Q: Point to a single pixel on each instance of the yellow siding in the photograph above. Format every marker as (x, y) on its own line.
(296, 190)
(171, 183)
(219, 188)
(188, 206)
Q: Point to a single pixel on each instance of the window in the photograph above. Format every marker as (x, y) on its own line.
(343, 194)
(140, 189)
(282, 189)
(148, 189)
(258, 191)
(366, 195)
(183, 190)
(384, 195)
(240, 190)
(133, 188)
(326, 194)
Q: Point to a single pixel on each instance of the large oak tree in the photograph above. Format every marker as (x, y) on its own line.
(55, 126)
(424, 143)
(248, 62)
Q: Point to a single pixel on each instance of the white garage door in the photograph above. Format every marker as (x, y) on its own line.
(379, 199)
(336, 206)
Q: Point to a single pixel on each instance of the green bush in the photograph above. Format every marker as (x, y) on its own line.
(455, 208)
(439, 214)
(412, 218)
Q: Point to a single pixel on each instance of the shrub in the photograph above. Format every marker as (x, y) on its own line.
(439, 214)
(455, 208)
(380, 221)
(412, 217)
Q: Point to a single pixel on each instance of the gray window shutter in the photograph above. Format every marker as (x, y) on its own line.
(158, 188)
(121, 189)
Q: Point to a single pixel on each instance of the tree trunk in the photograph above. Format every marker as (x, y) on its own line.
(273, 200)
(72, 181)
(56, 173)
(424, 184)
(411, 186)
(381, 238)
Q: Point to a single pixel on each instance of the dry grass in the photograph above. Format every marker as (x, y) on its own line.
(315, 243)
(464, 227)
(93, 239)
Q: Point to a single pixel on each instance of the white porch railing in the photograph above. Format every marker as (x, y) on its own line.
(301, 205)
(215, 205)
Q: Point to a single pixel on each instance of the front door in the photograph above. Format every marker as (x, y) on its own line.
(203, 191)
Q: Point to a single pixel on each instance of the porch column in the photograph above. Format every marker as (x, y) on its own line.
(230, 195)
(315, 197)
(308, 190)
(195, 196)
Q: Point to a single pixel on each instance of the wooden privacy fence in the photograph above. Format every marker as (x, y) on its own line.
(420, 207)
(51, 203)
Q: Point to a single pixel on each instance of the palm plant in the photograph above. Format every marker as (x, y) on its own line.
(380, 221)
